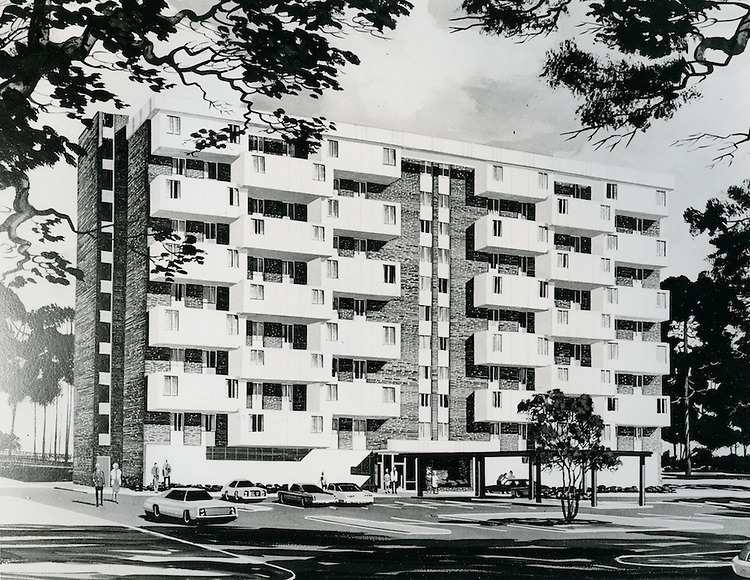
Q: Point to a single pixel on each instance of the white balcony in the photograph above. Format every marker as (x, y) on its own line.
(279, 176)
(517, 183)
(282, 238)
(355, 216)
(573, 215)
(641, 201)
(191, 328)
(280, 429)
(196, 393)
(283, 365)
(361, 161)
(499, 406)
(215, 268)
(280, 301)
(634, 303)
(517, 292)
(187, 198)
(634, 410)
(581, 270)
(360, 338)
(638, 250)
(574, 380)
(632, 356)
(580, 325)
(164, 142)
(516, 349)
(363, 399)
(362, 278)
(517, 236)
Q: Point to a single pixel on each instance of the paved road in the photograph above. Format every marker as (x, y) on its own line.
(51, 533)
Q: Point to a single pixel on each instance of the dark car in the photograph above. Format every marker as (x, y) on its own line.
(305, 495)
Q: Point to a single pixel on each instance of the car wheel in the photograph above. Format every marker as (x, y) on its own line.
(155, 512)
(186, 517)
(306, 502)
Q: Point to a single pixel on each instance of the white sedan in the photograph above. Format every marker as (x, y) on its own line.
(741, 562)
(191, 505)
(350, 493)
(243, 490)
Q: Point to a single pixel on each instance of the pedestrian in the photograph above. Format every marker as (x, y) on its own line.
(166, 472)
(322, 480)
(394, 480)
(435, 482)
(115, 481)
(511, 477)
(428, 479)
(155, 476)
(387, 481)
(502, 478)
(98, 481)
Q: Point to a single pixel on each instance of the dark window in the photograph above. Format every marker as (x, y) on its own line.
(222, 362)
(108, 119)
(224, 172)
(103, 421)
(105, 241)
(103, 393)
(105, 271)
(103, 363)
(178, 495)
(222, 298)
(106, 179)
(102, 331)
(222, 234)
(211, 169)
(105, 301)
(299, 397)
(107, 149)
(105, 211)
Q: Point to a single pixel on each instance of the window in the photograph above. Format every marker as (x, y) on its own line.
(173, 125)
(233, 388)
(175, 188)
(424, 430)
(542, 235)
(497, 172)
(661, 299)
(443, 401)
(106, 211)
(259, 226)
(333, 148)
(234, 134)
(210, 170)
(605, 213)
(425, 199)
(444, 314)
(332, 392)
(442, 343)
(606, 264)
(605, 376)
(234, 196)
(661, 353)
(425, 226)
(425, 313)
(389, 394)
(543, 180)
(209, 294)
(424, 342)
(332, 331)
(543, 289)
(563, 260)
(333, 208)
(389, 335)
(389, 156)
(319, 233)
(613, 351)
(424, 372)
(332, 267)
(444, 228)
(317, 424)
(444, 201)
(661, 248)
(425, 254)
(425, 283)
(662, 404)
(233, 325)
(360, 370)
(170, 386)
(177, 421)
(661, 197)
(233, 258)
(255, 423)
(208, 423)
(389, 273)
(607, 433)
(542, 346)
(497, 228)
(209, 231)
(257, 358)
(259, 164)
(612, 295)
(443, 256)
(497, 399)
(389, 214)
(178, 167)
(319, 172)
(611, 191)
(606, 321)
(318, 296)
(316, 361)
(562, 206)
(497, 343)
(424, 400)
(443, 285)
(611, 242)
(612, 404)
(563, 374)
(257, 292)
(173, 319)
(562, 317)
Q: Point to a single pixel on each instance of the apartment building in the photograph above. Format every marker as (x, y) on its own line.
(385, 295)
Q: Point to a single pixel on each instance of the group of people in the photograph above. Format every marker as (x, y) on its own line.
(506, 478)
(166, 474)
(391, 481)
(431, 480)
(99, 480)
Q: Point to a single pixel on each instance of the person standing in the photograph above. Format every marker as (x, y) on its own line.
(155, 476)
(322, 480)
(387, 481)
(394, 480)
(428, 480)
(115, 481)
(166, 472)
(98, 481)
(435, 482)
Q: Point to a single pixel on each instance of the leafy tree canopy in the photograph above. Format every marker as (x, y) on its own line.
(638, 61)
(54, 55)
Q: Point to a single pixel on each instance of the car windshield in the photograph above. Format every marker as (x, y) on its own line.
(309, 488)
(348, 487)
(197, 495)
(244, 483)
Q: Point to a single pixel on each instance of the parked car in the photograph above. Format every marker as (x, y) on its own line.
(191, 505)
(350, 493)
(306, 495)
(515, 488)
(243, 490)
(741, 562)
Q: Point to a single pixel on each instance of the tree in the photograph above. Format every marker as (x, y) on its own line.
(54, 53)
(643, 59)
(567, 437)
(13, 333)
(9, 442)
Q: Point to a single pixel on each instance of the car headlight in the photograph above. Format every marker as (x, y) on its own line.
(745, 552)
(202, 512)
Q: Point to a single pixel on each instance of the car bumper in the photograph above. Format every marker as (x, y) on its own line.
(356, 501)
(216, 519)
(741, 567)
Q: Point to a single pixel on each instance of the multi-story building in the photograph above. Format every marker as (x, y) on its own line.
(386, 295)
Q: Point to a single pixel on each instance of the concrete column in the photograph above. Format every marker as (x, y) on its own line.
(594, 492)
(641, 480)
(481, 474)
(420, 476)
(531, 478)
(538, 482)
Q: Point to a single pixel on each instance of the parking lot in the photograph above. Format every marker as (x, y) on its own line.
(684, 535)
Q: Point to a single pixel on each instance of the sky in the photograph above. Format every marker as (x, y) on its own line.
(463, 85)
